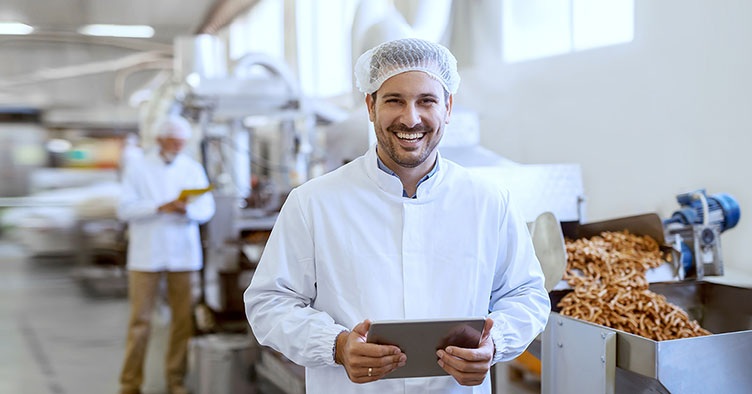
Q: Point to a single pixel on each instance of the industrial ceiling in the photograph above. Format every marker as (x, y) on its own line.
(57, 70)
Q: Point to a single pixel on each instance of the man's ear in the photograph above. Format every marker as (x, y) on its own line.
(371, 105)
(448, 115)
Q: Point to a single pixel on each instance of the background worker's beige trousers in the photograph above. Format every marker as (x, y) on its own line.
(143, 290)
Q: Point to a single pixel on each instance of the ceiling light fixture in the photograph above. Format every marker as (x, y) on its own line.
(15, 28)
(129, 31)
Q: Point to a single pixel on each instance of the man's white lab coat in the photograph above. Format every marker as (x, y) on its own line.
(163, 241)
(347, 247)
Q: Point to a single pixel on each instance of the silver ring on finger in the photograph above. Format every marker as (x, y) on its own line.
(370, 371)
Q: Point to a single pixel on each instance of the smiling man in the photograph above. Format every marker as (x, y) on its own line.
(409, 118)
(399, 233)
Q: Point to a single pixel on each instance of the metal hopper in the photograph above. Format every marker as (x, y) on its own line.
(582, 357)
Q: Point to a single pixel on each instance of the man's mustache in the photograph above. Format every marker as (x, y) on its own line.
(404, 129)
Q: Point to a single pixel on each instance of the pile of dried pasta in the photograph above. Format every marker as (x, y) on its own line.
(607, 273)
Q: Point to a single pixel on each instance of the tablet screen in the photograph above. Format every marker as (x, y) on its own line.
(420, 339)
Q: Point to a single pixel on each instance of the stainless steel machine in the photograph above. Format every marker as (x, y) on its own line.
(582, 357)
(258, 139)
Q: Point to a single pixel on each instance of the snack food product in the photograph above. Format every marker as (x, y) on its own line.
(608, 275)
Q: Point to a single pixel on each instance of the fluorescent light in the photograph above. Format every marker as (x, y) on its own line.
(130, 31)
(57, 145)
(15, 28)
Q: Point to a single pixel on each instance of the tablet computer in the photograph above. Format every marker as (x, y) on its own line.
(420, 339)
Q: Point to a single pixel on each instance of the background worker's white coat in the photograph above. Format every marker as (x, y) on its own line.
(347, 247)
(163, 241)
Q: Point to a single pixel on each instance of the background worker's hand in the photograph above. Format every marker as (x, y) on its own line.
(366, 362)
(174, 206)
(469, 367)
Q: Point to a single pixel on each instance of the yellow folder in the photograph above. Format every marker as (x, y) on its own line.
(192, 194)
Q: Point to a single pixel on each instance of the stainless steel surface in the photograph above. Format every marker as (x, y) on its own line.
(707, 257)
(714, 363)
(550, 249)
(224, 248)
(259, 85)
(707, 250)
(589, 347)
(285, 376)
(256, 130)
(222, 363)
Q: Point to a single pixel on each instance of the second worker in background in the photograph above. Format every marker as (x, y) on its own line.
(164, 243)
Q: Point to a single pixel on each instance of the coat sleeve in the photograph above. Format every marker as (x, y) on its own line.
(519, 305)
(278, 300)
(132, 204)
(201, 209)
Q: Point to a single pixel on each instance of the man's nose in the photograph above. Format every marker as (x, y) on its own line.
(410, 116)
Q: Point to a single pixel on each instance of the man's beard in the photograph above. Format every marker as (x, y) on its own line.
(169, 157)
(393, 148)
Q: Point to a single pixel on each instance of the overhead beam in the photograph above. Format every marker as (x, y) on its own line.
(222, 13)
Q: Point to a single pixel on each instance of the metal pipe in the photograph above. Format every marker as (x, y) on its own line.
(222, 13)
(122, 75)
(79, 70)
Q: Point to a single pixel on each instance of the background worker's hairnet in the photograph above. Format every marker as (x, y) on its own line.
(407, 54)
(174, 126)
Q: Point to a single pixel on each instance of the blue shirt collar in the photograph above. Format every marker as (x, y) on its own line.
(386, 169)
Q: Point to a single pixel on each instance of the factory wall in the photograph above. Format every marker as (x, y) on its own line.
(665, 114)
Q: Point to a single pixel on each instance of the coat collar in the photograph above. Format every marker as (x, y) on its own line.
(393, 186)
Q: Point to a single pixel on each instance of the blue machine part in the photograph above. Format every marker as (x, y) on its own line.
(723, 210)
(687, 259)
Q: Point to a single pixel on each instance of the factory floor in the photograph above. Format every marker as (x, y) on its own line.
(57, 338)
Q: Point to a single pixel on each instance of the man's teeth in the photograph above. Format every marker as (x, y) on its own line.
(410, 136)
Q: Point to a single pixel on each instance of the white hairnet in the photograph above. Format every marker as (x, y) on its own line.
(174, 126)
(407, 54)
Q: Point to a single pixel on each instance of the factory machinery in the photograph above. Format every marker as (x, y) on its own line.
(582, 357)
(696, 230)
(258, 138)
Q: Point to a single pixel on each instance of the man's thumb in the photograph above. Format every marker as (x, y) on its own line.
(362, 328)
(487, 328)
